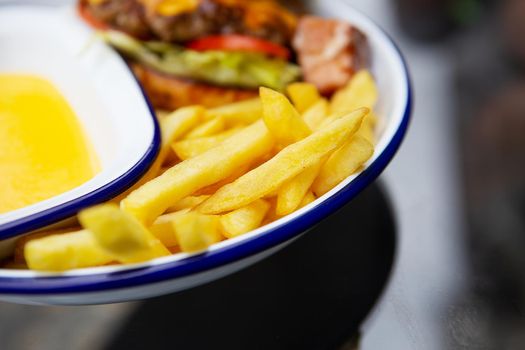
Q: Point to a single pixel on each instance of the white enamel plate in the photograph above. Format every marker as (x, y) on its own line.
(121, 106)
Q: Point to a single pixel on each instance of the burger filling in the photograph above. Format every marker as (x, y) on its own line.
(185, 20)
(223, 68)
(228, 43)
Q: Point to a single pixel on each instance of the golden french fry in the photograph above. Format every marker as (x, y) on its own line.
(187, 203)
(292, 193)
(18, 255)
(284, 166)
(196, 232)
(372, 119)
(238, 113)
(281, 118)
(153, 198)
(162, 227)
(211, 127)
(65, 251)
(120, 234)
(272, 194)
(173, 126)
(178, 123)
(164, 169)
(303, 95)
(162, 113)
(308, 198)
(361, 91)
(342, 163)
(366, 130)
(186, 149)
(331, 118)
(314, 116)
(211, 189)
(271, 215)
(244, 219)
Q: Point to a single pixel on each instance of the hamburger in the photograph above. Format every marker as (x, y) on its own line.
(208, 52)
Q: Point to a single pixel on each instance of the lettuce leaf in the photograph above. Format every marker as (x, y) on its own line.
(240, 69)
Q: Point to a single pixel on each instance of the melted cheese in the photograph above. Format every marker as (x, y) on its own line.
(43, 151)
(170, 7)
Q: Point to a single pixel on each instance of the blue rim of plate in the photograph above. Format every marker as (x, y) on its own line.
(104, 193)
(99, 282)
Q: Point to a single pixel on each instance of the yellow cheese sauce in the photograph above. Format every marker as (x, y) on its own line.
(43, 149)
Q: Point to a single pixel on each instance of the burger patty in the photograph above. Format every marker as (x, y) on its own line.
(170, 93)
(210, 17)
(125, 15)
(264, 19)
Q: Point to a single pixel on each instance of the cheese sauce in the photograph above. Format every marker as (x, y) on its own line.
(43, 150)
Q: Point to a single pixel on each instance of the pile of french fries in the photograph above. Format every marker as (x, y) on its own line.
(221, 173)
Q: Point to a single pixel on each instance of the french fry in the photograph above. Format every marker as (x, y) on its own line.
(308, 198)
(271, 215)
(238, 113)
(175, 125)
(303, 95)
(153, 198)
(211, 189)
(187, 203)
(162, 228)
(196, 232)
(281, 118)
(18, 256)
(314, 116)
(121, 235)
(284, 166)
(292, 193)
(366, 130)
(178, 123)
(332, 118)
(367, 126)
(342, 163)
(65, 251)
(211, 127)
(270, 195)
(162, 113)
(186, 149)
(164, 169)
(244, 219)
(172, 127)
(361, 91)
(372, 119)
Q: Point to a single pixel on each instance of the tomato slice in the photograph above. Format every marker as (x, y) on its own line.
(88, 18)
(235, 42)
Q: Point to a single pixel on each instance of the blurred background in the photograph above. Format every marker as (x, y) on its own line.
(456, 191)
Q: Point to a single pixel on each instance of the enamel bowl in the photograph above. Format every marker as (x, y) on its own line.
(101, 90)
(182, 271)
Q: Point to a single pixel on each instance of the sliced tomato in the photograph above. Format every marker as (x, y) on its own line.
(235, 42)
(88, 18)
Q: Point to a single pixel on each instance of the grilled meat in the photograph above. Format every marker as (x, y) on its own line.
(180, 21)
(124, 15)
(329, 52)
(209, 17)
